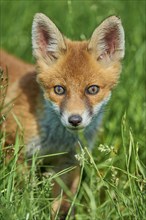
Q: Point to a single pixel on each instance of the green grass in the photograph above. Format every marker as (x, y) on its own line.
(113, 186)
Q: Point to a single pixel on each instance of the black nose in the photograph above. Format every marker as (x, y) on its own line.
(75, 120)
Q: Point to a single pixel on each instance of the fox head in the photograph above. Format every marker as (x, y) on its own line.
(77, 77)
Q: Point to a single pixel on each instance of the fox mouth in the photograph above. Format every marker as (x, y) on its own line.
(75, 129)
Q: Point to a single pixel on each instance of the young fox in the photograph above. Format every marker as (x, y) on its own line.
(65, 95)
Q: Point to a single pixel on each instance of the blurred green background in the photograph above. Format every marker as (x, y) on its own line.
(77, 20)
(120, 190)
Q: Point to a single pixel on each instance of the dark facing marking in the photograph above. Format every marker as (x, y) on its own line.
(63, 104)
(88, 105)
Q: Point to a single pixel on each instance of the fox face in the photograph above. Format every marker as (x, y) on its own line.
(77, 77)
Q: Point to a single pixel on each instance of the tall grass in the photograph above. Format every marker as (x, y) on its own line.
(107, 191)
(113, 181)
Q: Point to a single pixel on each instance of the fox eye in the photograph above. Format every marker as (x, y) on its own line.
(59, 90)
(92, 90)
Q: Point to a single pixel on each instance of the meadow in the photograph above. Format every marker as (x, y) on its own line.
(113, 185)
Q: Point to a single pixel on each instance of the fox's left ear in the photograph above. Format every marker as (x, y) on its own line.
(107, 42)
(47, 41)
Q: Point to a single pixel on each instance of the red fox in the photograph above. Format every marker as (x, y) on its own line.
(65, 94)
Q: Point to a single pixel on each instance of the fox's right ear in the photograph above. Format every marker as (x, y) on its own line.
(47, 41)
